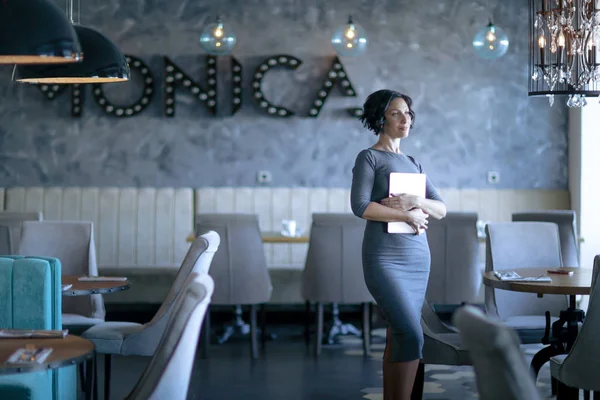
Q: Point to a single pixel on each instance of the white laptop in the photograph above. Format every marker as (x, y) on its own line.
(411, 183)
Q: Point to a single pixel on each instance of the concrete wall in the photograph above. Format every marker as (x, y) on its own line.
(473, 115)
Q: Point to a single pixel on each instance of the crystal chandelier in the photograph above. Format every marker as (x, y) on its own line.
(563, 49)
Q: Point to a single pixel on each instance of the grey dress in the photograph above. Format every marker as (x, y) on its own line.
(395, 265)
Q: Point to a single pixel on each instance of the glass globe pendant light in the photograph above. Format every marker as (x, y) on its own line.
(490, 42)
(350, 39)
(217, 38)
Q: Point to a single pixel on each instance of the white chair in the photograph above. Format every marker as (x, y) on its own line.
(72, 242)
(130, 338)
(168, 374)
(567, 229)
(14, 220)
(501, 372)
(240, 273)
(333, 273)
(515, 245)
(579, 368)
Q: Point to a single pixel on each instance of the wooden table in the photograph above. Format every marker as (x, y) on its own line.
(66, 351)
(270, 237)
(95, 287)
(578, 283)
(277, 237)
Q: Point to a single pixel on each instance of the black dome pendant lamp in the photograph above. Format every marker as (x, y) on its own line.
(103, 62)
(36, 32)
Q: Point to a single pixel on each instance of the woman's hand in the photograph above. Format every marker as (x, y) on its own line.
(417, 219)
(402, 201)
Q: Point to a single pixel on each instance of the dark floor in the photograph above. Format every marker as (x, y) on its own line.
(288, 369)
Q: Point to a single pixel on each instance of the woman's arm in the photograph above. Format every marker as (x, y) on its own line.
(416, 218)
(435, 208)
(405, 202)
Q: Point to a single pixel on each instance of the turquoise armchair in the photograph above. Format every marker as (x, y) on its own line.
(31, 298)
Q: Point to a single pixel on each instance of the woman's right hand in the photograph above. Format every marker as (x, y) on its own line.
(417, 219)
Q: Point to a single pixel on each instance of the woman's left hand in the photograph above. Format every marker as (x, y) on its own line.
(401, 201)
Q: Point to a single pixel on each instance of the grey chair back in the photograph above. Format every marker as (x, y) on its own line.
(5, 240)
(169, 372)
(515, 245)
(239, 268)
(333, 272)
(455, 272)
(567, 228)
(72, 242)
(580, 368)
(501, 372)
(14, 220)
(442, 345)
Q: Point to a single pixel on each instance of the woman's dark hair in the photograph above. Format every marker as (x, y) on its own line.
(376, 105)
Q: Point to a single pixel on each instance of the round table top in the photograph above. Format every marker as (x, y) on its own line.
(79, 288)
(578, 283)
(66, 351)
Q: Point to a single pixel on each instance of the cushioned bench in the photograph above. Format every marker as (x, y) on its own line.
(140, 232)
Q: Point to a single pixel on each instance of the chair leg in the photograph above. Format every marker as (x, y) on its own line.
(417, 392)
(319, 329)
(565, 392)
(96, 386)
(253, 341)
(107, 362)
(370, 323)
(205, 334)
(307, 323)
(366, 330)
(263, 326)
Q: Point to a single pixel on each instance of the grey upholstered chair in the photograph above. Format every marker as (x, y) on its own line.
(72, 242)
(14, 220)
(567, 229)
(333, 272)
(239, 271)
(442, 346)
(515, 245)
(130, 338)
(168, 374)
(455, 275)
(579, 368)
(501, 372)
(5, 239)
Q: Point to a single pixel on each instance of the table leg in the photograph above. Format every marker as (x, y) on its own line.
(89, 378)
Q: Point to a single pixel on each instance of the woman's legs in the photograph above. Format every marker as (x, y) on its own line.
(398, 377)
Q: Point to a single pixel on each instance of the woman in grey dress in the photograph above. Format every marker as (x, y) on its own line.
(395, 265)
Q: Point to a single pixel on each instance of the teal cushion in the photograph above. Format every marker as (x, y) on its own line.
(32, 385)
(32, 294)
